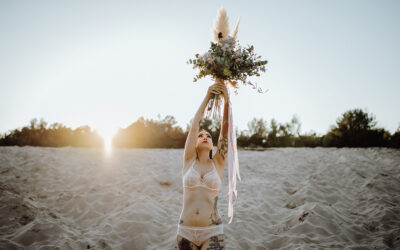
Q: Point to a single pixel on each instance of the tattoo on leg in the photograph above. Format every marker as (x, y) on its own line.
(216, 242)
(223, 146)
(184, 244)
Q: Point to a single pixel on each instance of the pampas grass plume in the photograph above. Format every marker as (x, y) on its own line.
(235, 31)
(221, 25)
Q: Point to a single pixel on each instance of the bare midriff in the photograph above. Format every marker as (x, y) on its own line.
(199, 207)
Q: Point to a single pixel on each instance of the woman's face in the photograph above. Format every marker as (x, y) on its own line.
(204, 141)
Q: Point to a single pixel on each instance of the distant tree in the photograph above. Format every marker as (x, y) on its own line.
(149, 133)
(83, 136)
(272, 140)
(257, 127)
(242, 139)
(57, 135)
(394, 140)
(308, 140)
(355, 128)
(258, 130)
(295, 125)
(287, 132)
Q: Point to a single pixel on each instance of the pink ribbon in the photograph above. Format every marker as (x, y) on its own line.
(233, 162)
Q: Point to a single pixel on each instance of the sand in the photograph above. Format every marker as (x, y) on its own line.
(289, 198)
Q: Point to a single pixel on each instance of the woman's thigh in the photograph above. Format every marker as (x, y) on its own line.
(215, 242)
(184, 243)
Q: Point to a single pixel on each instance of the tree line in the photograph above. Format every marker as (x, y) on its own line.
(354, 128)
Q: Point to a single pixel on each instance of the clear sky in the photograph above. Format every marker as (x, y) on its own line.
(106, 63)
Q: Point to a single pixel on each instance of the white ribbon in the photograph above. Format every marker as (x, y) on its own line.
(233, 162)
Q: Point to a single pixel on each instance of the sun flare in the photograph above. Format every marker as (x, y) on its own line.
(107, 142)
(107, 133)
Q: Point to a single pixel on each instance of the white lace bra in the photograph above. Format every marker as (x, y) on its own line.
(210, 180)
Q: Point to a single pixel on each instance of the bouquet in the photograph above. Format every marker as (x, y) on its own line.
(227, 61)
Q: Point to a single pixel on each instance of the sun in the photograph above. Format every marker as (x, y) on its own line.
(108, 142)
(107, 132)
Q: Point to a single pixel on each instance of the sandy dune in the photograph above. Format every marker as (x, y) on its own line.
(289, 198)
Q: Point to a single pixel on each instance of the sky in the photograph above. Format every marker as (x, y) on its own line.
(107, 63)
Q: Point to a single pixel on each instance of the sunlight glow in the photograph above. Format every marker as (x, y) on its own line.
(107, 132)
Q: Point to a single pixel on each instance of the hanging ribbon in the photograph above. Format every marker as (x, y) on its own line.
(233, 162)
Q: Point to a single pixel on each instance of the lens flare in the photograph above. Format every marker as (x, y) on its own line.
(107, 133)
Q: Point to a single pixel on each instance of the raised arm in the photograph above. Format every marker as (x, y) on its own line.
(222, 148)
(191, 140)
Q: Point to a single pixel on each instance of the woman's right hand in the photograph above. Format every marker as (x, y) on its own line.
(214, 89)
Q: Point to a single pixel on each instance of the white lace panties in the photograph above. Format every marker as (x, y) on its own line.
(198, 235)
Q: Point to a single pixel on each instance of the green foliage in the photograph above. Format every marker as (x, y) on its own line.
(229, 61)
(355, 128)
(57, 135)
(258, 127)
(149, 133)
(394, 141)
(308, 140)
(355, 120)
(272, 139)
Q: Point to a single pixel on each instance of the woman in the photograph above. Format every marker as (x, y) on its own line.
(200, 226)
